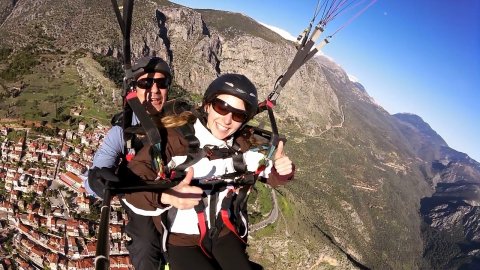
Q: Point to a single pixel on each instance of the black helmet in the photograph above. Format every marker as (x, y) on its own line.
(151, 64)
(235, 85)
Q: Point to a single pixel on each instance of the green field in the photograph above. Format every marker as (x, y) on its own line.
(47, 87)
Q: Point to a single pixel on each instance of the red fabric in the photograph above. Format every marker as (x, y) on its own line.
(131, 94)
(202, 227)
(129, 157)
(276, 179)
(228, 224)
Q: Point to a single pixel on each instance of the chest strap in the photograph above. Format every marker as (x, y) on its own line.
(194, 152)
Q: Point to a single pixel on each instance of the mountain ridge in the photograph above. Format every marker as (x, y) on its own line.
(451, 214)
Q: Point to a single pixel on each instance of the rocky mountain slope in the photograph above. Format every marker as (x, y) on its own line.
(451, 214)
(361, 173)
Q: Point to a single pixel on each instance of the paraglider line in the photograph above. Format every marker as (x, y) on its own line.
(354, 17)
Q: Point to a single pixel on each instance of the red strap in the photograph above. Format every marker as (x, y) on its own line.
(270, 103)
(202, 226)
(260, 169)
(228, 223)
(131, 94)
(129, 157)
(173, 174)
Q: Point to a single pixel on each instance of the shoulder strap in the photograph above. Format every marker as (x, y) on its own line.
(195, 153)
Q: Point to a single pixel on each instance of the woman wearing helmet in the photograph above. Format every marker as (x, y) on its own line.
(205, 214)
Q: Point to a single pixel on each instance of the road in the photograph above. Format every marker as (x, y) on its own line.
(270, 219)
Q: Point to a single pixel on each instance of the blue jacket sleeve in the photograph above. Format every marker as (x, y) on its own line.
(110, 150)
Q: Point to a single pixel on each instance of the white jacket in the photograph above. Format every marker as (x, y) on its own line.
(186, 221)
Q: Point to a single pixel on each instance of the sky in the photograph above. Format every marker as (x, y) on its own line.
(412, 56)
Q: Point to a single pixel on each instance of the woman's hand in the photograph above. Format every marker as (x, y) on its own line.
(183, 196)
(281, 162)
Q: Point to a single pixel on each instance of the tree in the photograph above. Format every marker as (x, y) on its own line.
(29, 197)
(3, 190)
(43, 229)
(35, 104)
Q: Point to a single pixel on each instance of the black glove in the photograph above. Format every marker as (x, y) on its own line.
(98, 177)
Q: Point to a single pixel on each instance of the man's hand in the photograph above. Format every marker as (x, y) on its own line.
(281, 162)
(183, 196)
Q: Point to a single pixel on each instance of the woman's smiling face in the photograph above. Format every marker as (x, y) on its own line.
(222, 126)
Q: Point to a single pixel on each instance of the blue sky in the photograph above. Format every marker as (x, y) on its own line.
(414, 56)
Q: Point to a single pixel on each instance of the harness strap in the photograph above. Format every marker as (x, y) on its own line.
(261, 167)
(150, 128)
(213, 211)
(215, 152)
(127, 122)
(239, 163)
(167, 222)
(146, 122)
(229, 225)
(236, 147)
(202, 225)
(195, 153)
(225, 216)
(133, 144)
(297, 62)
(130, 155)
(239, 205)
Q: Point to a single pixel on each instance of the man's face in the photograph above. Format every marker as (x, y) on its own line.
(152, 95)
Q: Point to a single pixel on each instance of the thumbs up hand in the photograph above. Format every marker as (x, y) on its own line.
(183, 196)
(281, 162)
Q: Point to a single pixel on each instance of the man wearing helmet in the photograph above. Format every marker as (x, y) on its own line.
(206, 212)
(152, 77)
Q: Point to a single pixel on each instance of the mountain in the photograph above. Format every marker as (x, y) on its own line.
(451, 214)
(363, 175)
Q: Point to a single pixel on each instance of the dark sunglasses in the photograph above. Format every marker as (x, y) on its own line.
(147, 83)
(224, 108)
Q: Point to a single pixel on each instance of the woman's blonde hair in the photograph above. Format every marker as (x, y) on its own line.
(177, 120)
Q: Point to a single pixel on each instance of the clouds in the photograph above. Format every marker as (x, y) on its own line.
(283, 33)
(286, 35)
(352, 78)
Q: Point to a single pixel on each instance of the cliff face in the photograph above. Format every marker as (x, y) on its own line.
(360, 172)
(6, 8)
(451, 215)
(196, 50)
